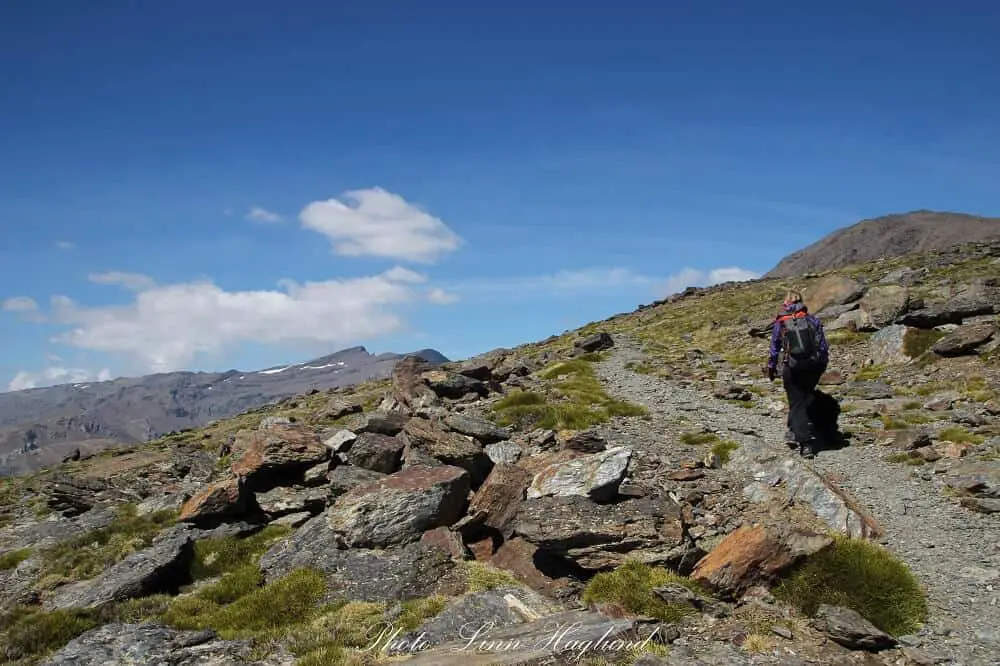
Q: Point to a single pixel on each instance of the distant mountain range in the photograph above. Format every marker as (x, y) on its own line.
(40, 426)
(888, 236)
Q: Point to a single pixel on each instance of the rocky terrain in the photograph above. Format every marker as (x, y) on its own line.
(41, 426)
(617, 495)
(889, 236)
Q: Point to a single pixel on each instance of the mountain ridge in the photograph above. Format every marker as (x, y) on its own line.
(891, 235)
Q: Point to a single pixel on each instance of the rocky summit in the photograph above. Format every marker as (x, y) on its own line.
(620, 494)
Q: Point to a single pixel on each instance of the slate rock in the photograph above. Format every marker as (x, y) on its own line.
(280, 501)
(597, 476)
(481, 429)
(278, 450)
(453, 385)
(225, 498)
(500, 497)
(503, 453)
(399, 508)
(965, 339)
(594, 343)
(375, 452)
(847, 627)
(157, 568)
(345, 477)
(423, 436)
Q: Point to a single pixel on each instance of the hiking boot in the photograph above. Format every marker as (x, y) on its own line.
(790, 440)
(809, 449)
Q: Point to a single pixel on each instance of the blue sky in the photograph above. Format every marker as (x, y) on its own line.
(461, 178)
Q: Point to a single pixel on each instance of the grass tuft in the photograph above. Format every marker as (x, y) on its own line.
(699, 438)
(213, 557)
(861, 575)
(12, 558)
(959, 436)
(631, 587)
(723, 450)
(480, 576)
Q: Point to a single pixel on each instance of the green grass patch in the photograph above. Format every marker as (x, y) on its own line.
(959, 436)
(573, 399)
(869, 373)
(12, 558)
(917, 342)
(724, 450)
(480, 576)
(87, 555)
(698, 438)
(31, 634)
(905, 458)
(213, 557)
(641, 368)
(861, 575)
(631, 587)
(593, 357)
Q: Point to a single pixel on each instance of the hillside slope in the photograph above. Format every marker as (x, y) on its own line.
(888, 236)
(40, 426)
(628, 480)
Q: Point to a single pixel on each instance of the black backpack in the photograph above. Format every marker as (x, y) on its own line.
(801, 341)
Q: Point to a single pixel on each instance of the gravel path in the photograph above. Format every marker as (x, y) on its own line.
(953, 551)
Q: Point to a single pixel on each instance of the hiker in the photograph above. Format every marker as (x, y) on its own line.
(799, 340)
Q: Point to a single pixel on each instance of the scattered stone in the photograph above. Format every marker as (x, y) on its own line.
(503, 453)
(965, 339)
(399, 508)
(378, 453)
(277, 450)
(686, 475)
(848, 628)
(752, 555)
(481, 429)
(340, 441)
(597, 476)
(269, 422)
(595, 343)
(911, 439)
(336, 408)
(586, 441)
(280, 501)
(381, 423)
(317, 475)
(728, 391)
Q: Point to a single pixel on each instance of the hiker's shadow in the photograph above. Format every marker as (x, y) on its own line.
(824, 412)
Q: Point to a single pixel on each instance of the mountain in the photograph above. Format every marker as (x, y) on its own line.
(888, 236)
(40, 426)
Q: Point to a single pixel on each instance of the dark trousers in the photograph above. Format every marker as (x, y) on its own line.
(800, 387)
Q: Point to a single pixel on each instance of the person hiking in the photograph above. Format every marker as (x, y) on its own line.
(799, 343)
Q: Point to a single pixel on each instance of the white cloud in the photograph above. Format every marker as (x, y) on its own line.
(65, 245)
(380, 224)
(166, 326)
(439, 296)
(692, 277)
(258, 214)
(566, 281)
(55, 375)
(19, 304)
(133, 281)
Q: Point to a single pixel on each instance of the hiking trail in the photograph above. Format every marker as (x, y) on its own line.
(954, 552)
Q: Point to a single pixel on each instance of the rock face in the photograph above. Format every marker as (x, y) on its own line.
(158, 568)
(151, 644)
(216, 501)
(965, 339)
(425, 438)
(597, 476)
(753, 555)
(601, 536)
(399, 508)
(278, 450)
(848, 628)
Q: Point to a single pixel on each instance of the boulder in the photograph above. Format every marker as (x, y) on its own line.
(399, 508)
(594, 343)
(890, 345)
(280, 450)
(832, 290)
(965, 339)
(408, 385)
(601, 536)
(339, 440)
(382, 423)
(518, 558)
(587, 441)
(755, 555)
(849, 628)
(413, 571)
(447, 540)
(503, 453)
(479, 428)
(345, 477)
(159, 568)
(119, 643)
(223, 499)
(280, 501)
(884, 304)
(336, 408)
(500, 497)
(378, 453)
(450, 448)
(597, 476)
(453, 385)
(980, 479)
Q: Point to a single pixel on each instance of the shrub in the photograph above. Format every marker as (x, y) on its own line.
(12, 558)
(861, 575)
(631, 587)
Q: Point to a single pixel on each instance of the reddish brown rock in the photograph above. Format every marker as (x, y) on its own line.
(753, 555)
(218, 500)
(517, 557)
(408, 385)
(482, 550)
(375, 452)
(686, 475)
(426, 438)
(501, 496)
(399, 508)
(446, 540)
(278, 450)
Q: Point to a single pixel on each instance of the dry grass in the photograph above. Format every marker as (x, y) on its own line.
(631, 587)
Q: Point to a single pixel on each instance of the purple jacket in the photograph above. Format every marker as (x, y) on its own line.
(775, 351)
